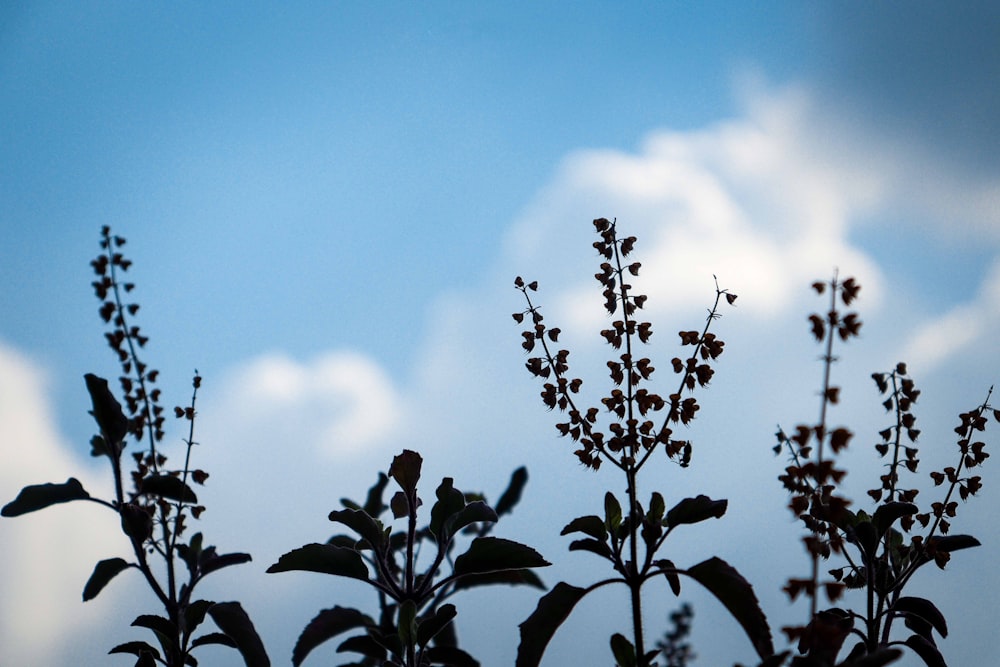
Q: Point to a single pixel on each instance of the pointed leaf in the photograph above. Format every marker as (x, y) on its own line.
(510, 577)
(536, 632)
(233, 621)
(693, 510)
(168, 486)
(136, 649)
(736, 594)
(670, 572)
(593, 546)
(194, 614)
(951, 543)
(450, 501)
(472, 513)
(374, 504)
(888, 513)
(328, 623)
(39, 496)
(165, 631)
(493, 554)
(451, 656)
(364, 525)
(590, 525)
(430, 627)
(927, 651)
(924, 609)
(325, 559)
(512, 495)
(218, 562)
(367, 646)
(612, 512)
(104, 572)
(107, 410)
(213, 638)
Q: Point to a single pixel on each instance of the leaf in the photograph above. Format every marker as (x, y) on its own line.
(214, 563)
(623, 651)
(951, 543)
(593, 546)
(364, 525)
(693, 510)
(328, 623)
(165, 631)
(512, 495)
(590, 525)
(405, 469)
(472, 513)
(430, 627)
(927, 651)
(233, 621)
(736, 594)
(374, 504)
(104, 572)
(107, 411)
(924, 609)
(889, 513)
(612, 512)
(450, 501)
(325, 559)
(194, 614)
(39, 496)
(452, 656)
(366, 646)
(213, 638)
(492, 554)
(136, 649)
(553, 608)
(407, 623)
(670, 572)
(168, 486)
(510, 577)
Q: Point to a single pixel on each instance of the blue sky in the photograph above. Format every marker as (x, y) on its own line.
(327, 203)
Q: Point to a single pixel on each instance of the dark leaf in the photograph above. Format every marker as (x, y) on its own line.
(39, 496)
(107, 410)
(364, 525)
(536, 632)
(881, 657)
(590, 525)
(135, 648)
(325, 559)
(510, 577)
(405, 469)
(951, 543)
(233, 621)
(889, 513)
(373, 503)
(593, 546)
(165, 631)
(612, 512)
(693, 510)
(214, 563)
(430, 627)
(472, 513)
(406, 623)
(623, 651)
(450, 501)
(104, 572)
(927, 651)
(214, 638)
(452, 656)
(729, 586)
(195, 614)
(670, 571)
(366, 646)
(512, 495)
(493, 554)
(168, 486)
(924, 609)
(328, 623)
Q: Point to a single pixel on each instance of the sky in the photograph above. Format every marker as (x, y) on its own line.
(326, 205)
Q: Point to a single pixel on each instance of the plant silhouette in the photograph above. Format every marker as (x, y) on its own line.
(153, 511)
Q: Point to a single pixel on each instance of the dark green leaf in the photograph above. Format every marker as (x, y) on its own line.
(399, 505)
(736, 594)
(881, 657)
(693, 510)
(594, 546)
(474, 512)
(452, 656)
(374, 504)
(214, 638)
(492, 554)
(405, 469)
(325, 559)
(364, 525)
(406, 624)
(168, 486)
(612, 512)
(194, 614)
(536, 632)
(512, 495)
(104, 572)
(165, 631)
(670, 572)
(135, 648)
(951, 543)
(430, 627)
(927, 651)
(623, 651)
(365, 645)
(924, 609)
(888, 513)
(107, 410)
(214, 563)
(509, 577)
(328, 623)
(656, 508)
(590, 525)
(39, 496)
(235, 623)
(450, 501)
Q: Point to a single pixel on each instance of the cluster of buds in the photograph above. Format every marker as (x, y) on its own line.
(632, 434)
